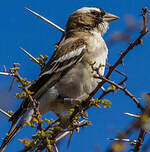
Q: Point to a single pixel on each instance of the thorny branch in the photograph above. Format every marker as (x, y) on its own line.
(121, 88)
(140, 140)
(33, 101)
(138, 122)
(138, 41)
(134, 125)
(16, 75)
(86, 104)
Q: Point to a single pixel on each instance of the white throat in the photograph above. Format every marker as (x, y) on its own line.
(102, 28)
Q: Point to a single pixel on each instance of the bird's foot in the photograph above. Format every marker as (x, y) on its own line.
(72, 101)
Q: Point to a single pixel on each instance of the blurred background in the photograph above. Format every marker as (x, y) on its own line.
(19, 28)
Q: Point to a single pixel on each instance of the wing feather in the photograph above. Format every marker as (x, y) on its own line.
(69, 53)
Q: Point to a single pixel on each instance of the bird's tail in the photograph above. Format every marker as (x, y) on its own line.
(27, 116)
(9, 137)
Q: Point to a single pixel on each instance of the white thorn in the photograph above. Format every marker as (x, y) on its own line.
(30, 55)
(46, 20)
(132, 115)
(125, 140)
(56, 149)
(62, 136)
(5, 113)
(6, 73)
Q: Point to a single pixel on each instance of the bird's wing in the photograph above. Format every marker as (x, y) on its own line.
(69, 53)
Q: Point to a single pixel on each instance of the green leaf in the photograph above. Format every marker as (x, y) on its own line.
(12, 70)
(41, 56)
(98, 106)
(112, 88)
(25, 141)
(50, 148)
(106, 103)
(10, 112)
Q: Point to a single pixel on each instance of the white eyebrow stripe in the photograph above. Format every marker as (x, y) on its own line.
(86, 10)
(70, 55)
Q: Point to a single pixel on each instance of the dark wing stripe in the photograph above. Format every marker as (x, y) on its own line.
(53, 71)
(69, 46)
(58, 73)
(65, 61)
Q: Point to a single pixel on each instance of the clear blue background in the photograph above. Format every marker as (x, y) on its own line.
(18, 28)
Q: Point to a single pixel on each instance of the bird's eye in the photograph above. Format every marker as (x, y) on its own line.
(102, 13)
(94, 13)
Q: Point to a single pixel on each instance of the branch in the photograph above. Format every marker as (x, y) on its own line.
(138, 41)
(125, 133)
(121, 88)
(33, 101)
(140, 140)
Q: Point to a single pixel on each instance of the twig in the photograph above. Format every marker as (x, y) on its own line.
(140, 140)
(4, 68)
(105, 92)
(121, 88)
(138, 41)
(33, 101)
(12, 84)
(5, 113)
(50, 125)
(46, 20)
(121, 73)
(126, 132)
(144, 12)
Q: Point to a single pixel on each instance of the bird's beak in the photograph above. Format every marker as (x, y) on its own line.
(110, 17)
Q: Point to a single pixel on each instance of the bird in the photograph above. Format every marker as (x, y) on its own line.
(67, 78)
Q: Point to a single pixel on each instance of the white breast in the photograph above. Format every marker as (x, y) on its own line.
(98, 51)
(78, 82)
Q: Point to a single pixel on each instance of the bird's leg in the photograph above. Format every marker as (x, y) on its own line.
(75, 101)
(72, 101)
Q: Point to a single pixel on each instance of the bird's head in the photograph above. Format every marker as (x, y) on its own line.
(89, 19)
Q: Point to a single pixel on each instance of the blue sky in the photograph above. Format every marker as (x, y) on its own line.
(18, 28)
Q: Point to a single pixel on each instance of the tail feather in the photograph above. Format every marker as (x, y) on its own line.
(9, 138)
(16, 127)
